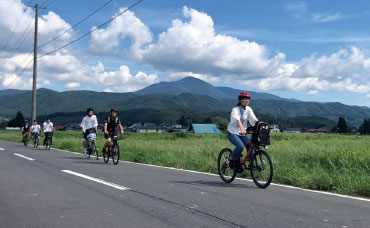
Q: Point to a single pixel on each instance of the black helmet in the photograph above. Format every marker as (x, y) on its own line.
(113, 110)
(26, 121)
(88, 110)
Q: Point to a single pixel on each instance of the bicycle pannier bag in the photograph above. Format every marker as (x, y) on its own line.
(261, 134)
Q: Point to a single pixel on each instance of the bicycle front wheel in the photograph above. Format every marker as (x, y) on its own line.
(226, 173)
(106, 154)
(115, 154)
(261, 169)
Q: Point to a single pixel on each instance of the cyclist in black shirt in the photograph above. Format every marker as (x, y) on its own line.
(25, 129)
(111, 125)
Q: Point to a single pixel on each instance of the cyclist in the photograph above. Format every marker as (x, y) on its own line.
(25, 129)
(88, 125)
(36, 129)
(236, 130)
(111, 125)
(48, 128)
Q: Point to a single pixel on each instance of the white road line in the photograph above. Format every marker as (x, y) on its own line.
(96, 180)
(2, 149)
(247, 180)
(22, 156)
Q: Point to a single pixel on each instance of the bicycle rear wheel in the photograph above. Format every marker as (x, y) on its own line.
(115, 154)
(226, 173)
(261, 169)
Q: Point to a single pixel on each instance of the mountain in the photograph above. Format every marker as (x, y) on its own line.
(11, 92)
(49, 101)
(197, 86)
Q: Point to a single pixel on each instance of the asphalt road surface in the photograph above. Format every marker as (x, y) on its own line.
(56, 188)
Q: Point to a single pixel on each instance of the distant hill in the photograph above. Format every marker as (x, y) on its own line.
(50, 101)
(197, 86)
(11, 92)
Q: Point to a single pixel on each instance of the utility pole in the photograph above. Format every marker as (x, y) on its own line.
(34, 83)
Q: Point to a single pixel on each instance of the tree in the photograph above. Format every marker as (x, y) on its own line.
(183, 121)
(342, 125)
(365, 127)
(17, 121)
(208, 120)
(222, 125)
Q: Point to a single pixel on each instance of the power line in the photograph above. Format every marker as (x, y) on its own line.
(29, 63)
(79, 38)
(92, 30)
(20, 41)
(75, 25)
(16, 26)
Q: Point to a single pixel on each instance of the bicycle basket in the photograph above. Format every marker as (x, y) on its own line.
(91, 137)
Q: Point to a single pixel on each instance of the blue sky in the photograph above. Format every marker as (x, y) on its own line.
(308, 50)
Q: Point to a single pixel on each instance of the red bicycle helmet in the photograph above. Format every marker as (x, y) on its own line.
(244, 94)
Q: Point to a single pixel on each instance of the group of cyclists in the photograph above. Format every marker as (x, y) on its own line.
(88, 125)
(236, 130)
(35, 130)
(112, 124)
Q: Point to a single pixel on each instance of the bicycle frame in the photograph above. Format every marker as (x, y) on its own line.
(248, 153)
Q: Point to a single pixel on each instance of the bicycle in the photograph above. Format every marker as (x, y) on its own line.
(48, 140)
(260, 165)
(112, 150)
(91, 146)
(25, 138)
(35, 140)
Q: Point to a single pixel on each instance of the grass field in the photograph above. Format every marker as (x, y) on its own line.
(336, 163)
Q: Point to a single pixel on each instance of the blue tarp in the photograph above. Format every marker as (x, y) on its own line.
(206, 129)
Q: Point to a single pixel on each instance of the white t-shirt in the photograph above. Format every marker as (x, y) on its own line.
(36, 128)
(48, 127)
(89, 122)
(235, 115)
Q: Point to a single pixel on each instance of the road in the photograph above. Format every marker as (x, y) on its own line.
(57, 188)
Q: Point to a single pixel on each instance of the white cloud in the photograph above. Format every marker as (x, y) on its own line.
(368, 95)
(312, 92)
(106, 41)
(322, 18)
(195, 47)
(179, 75)
(72, 85)
(123, 81)
(50, 25)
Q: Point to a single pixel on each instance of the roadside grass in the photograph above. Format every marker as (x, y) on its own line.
(330, 162)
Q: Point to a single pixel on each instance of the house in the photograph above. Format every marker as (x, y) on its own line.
(179, 127)
(293, 130)
(205, 129)
(150, 129)
(133, 127)
(274, 128)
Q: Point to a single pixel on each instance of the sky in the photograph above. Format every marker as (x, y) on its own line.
(307, 50)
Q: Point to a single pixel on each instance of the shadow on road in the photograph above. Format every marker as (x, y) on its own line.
(214, 184)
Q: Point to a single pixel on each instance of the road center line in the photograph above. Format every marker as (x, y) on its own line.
(96, 180)
(2, 149)
(22, 156)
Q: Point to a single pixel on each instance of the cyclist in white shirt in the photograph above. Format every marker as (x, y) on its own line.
(48, 128)
(240, 115)
(89, 125)
(36, 129)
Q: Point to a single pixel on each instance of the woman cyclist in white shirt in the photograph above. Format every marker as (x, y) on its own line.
(236, 130)
(89, 125)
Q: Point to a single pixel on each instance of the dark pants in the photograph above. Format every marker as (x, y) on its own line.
(48, 134)
(239, 141)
